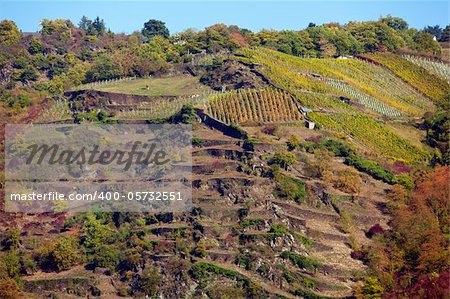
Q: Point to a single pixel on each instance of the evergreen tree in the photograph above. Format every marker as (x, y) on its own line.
(155, 27)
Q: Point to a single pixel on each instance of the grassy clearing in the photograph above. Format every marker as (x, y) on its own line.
(165, 86)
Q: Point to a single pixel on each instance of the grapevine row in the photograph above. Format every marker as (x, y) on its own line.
(433, 66)
(161, 108)
(429, 84)
(372, 134)
(253, 106)
(368, 101)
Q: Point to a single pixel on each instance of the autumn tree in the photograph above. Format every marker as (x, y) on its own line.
(65, 253)
(321, 165)
(433, 192)
(9, 33)
(348, 181)
(412, 258)
(104, 67)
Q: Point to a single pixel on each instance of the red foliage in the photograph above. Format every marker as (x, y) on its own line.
(428, 286)
(419, 227)
(164, 247)
(398, 167)
(433, 191)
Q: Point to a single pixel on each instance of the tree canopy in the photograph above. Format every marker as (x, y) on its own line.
(154, 28)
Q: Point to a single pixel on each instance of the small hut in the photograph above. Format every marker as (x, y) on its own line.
(310, 124)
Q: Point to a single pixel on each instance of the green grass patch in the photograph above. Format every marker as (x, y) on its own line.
(289, 188)
(252, 223)
(202, 270)
(301, 261)
(166, 86)
(303, 239)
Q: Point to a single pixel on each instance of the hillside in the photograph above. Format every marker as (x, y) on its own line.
(245, 226)
(319, 162)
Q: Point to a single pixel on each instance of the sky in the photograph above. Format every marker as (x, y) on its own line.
(128, 16)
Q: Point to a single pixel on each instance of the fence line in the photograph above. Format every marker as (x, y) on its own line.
(104, 82)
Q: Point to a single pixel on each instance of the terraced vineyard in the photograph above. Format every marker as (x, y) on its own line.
(366, 100)
(371, 80)
(160, 108)
(318, 83)
(373, 135)
(435, 67)
(59, 111)
(253, 106)
(431, 85)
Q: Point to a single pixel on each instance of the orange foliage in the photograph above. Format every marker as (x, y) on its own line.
(239, 39)
(433, 191)
(419, 229)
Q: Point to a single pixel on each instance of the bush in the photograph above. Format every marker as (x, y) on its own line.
(200, 271)
(404, 180)
(103, 68)
(372, 288)
(293, 142)
(197, 141)
(12, 238)
(11, 264)
(28, 265)
(249, 144)
(28, 74)
(303, 239)
(200, 249)
(149, 281)
(284, 160)
(101, 115)
(65, 253)
(321, 165)
(300, 260)
(337, 147)
(370, 167)
(290, 188)
(347, 181)
(241, 132)
(277, 230)
(186, 115)
(106, 257)
(9, 289)
(246, 261)
(254, 223)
